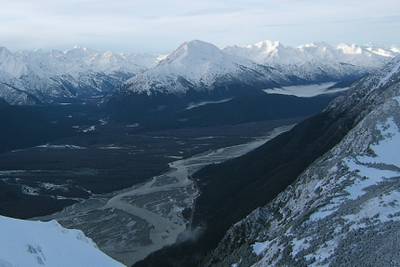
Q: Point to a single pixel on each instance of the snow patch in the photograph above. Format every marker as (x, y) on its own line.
(28, 190)
(260, 247)
(299, 245)
(382, 208)
(49, 146)
(199, 104)
(89, 129)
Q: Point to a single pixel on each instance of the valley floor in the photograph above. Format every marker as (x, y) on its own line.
(44, 179)
(132, 223)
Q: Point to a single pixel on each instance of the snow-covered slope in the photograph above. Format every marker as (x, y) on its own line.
(198, 65)
(14, 96)
(80, 59)
(344, 209)
(33, 243)
(51, 75)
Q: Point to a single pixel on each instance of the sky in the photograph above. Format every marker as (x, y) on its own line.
(161, 25)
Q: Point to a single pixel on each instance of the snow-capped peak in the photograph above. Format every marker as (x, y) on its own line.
(197, 62)
(194, 52)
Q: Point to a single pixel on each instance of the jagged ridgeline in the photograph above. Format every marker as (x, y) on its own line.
(82, 74)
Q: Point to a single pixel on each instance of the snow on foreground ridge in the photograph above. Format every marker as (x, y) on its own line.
(34, 243)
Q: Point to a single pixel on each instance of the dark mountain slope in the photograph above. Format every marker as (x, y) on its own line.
(233, 189)
(174, 111)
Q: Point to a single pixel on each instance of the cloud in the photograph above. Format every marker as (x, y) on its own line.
(160, 25)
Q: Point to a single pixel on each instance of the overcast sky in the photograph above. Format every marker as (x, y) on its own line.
(161, 25)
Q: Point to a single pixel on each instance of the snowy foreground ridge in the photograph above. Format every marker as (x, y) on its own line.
(33, 243)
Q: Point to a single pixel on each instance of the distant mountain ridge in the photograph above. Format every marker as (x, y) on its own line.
(40, 76)
(31, 77)
(203, 66)
(276, 53)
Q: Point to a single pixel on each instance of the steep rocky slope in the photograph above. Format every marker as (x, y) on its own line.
(343, 210)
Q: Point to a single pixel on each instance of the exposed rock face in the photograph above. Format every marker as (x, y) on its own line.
(343, 210)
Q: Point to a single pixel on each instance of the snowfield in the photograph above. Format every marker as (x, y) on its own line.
(33, 243)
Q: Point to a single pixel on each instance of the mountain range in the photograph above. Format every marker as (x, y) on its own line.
(33, 77)
(201, 66)
(195, 67)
